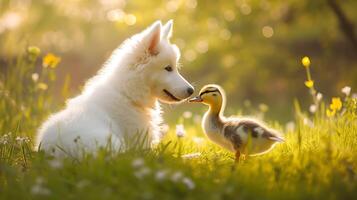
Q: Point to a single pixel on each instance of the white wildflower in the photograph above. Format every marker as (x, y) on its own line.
(187, 114)
(82, 184)
(197, 119)
(189, 183)
(346, 90)
(40, 180)
(38, 189)
(191, 155)
(176, 176)
(198, 140)
(35, 77)
(141, 173)
(319, 96)
(4, 139)
(180, 130)
(313, 108)
(55, 163)
(308, 122)
(138, 162)
(290, 126)
(22, 140)
(164, 129)
(161, 175)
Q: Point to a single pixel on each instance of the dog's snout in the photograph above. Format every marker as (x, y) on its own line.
(190, 90)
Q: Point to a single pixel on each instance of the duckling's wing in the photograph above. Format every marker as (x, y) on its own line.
(238, 130)
(231, 133)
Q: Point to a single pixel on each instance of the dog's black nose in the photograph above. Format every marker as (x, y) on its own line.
(190, 90)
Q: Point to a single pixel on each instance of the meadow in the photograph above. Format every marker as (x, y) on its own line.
(291, 64)
(317, 161)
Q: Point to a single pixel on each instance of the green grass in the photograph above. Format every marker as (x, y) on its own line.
(317, 161)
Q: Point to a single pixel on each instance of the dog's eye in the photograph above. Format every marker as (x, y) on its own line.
(168, 68)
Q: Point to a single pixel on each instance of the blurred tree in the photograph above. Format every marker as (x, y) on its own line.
(345, 24)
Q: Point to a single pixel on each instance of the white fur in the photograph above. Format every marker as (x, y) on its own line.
(121, 101)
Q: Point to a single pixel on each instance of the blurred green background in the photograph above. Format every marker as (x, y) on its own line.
(253, 48)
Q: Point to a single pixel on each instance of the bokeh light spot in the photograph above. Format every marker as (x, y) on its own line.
(130, 19)
(190, 55)
(192, 4)
(245, 9)
(225, 34)
(229, 15)
(267, 31)
(202, 46)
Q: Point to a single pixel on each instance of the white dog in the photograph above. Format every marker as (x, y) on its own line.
(121, 101)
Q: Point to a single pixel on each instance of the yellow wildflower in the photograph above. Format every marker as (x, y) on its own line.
(33, 50)
(336, 103)
(50, 60)
(42, 86)
(309, 83)
(330, 113)
(263, 107)
(305, 61)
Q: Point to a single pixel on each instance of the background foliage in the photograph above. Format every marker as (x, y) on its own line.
(251, 47)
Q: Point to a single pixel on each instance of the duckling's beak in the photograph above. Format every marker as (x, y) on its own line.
(195, 99)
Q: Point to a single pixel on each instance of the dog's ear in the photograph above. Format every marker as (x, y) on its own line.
(167, 30)
(153, 37)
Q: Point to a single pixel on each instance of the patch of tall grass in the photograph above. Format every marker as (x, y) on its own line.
(317, 161)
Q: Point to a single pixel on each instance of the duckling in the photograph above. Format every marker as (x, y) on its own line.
(239, 135)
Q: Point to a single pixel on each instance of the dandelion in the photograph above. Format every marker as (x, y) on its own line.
(346, 90)
(191, 155)
(336, 104)
(189, 183)
(42, 86)
(306, 61)
(309, 83)
(180, 130)
(50, 60)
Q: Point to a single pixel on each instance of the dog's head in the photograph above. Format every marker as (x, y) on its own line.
(160, 66)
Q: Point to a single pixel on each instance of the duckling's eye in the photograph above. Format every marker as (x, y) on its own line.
(168, 68)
